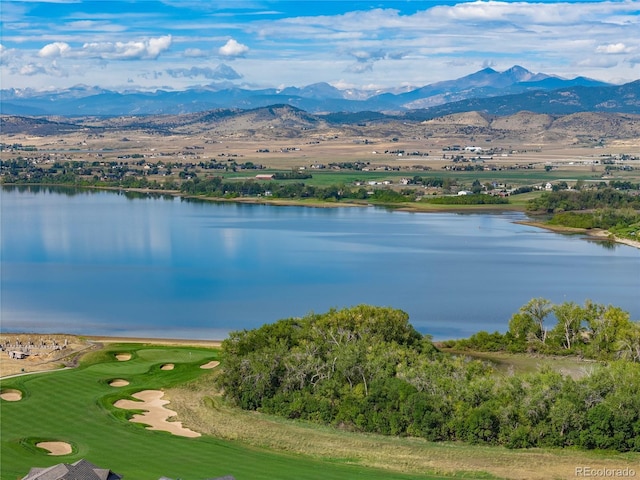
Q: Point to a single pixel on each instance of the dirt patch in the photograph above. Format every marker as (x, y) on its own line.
(211, 364)
(45, 352)
(56, 448)
(167, 366)
(123, 357)
(156, 415)
(118, 382)
(11, 395)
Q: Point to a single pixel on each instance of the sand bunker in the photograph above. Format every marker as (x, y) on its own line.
(56, 448)
(123, 357)
(156, 414)
(212, 364)
(11, 395)
(118, 382)
(167, 366)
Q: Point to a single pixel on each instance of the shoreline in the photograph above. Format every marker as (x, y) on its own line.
(596, 233)
(409, 207)
(152, 340)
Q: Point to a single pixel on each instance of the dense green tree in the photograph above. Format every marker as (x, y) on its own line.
(367, 369)
(537, 310)
(628, 342)
(567, 330)
(605, 328)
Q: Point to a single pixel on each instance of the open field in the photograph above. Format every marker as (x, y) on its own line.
(246, 445)
(510, 363)
(568, 161)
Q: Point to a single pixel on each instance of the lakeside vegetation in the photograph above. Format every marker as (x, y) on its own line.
(613, 207)
(610, 208)
(591, 331)
(366, 369)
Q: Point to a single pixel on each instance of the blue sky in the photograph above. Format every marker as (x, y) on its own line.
(174, 44)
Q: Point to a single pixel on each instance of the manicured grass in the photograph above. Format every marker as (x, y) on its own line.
(76, 406)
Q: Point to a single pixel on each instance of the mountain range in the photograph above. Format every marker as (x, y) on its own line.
(496, 93)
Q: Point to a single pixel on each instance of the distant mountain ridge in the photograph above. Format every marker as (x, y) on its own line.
(287, 122)
(486, 88)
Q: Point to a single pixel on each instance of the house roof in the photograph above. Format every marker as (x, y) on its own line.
(80, 470)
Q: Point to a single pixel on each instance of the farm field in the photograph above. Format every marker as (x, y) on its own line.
(77, 406)
(388, 151)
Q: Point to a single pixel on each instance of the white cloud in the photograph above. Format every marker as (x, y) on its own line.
(147, 49)
(233, 49)
(359, 67)
(194, 53)
(366, 59)
(523, 13)
(156, 46)
(221, 72)
(365, 56)
(54, 50)
(101, 25)
(378, 46)
(613, 48)
(600, 62)
(32, 69)
(3, 55)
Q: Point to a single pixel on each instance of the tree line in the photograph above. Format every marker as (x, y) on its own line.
(367, 369)
(587, 199)
(607, 208)
(591, 330)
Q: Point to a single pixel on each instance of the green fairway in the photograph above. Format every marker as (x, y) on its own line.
(76, 406)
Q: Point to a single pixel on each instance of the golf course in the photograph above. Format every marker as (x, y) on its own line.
(76, 408)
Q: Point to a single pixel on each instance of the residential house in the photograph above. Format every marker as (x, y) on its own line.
(82, 469)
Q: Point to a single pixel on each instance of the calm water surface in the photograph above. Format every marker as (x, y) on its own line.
(101, 263)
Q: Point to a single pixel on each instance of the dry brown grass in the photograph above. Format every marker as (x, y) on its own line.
(207, 413)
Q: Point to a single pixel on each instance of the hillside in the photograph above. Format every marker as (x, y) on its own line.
(619, 99)
(283, 121)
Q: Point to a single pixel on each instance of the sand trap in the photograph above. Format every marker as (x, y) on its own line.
(11, 395)
(56, 448)
(118, 382)
(156, 414)
(167, 366)
(123, 357)
(212, 364)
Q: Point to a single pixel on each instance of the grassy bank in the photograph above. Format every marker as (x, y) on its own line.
(411, 455)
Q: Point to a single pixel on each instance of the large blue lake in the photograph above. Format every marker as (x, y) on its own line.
(95, 262)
